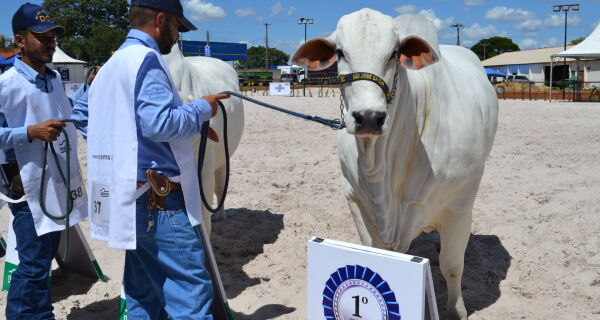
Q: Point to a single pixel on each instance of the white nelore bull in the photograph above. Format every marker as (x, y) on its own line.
(415, 164)
(194, 78)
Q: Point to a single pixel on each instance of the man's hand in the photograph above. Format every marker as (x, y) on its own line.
(47, 131)
(90, 79)
(214, 102)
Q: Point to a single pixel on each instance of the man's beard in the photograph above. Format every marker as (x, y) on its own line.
(166, 42)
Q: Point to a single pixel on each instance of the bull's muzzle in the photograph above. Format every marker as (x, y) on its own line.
(369, 122)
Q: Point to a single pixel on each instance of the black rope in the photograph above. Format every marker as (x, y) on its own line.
(334, 124)
(202, 154)
(66, 178)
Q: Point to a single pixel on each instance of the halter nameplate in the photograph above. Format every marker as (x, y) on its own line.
(351, 77)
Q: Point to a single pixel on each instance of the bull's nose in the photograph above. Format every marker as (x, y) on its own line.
(369, 121)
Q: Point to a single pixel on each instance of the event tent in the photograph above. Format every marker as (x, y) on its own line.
(492, 72)
(588, 49)
(70, 69)
(7, 62)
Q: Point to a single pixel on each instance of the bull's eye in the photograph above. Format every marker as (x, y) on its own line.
(340, 53)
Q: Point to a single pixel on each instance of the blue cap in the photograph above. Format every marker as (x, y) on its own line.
(34, 18)
(171, 6)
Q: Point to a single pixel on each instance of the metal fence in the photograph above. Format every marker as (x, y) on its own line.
(568, 90)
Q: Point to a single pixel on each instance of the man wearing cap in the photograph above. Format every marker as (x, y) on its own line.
(32, 98)
(143, 187)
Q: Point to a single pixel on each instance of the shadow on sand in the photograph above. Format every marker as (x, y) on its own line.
(486, 265)
(239, 240)
(105, 309)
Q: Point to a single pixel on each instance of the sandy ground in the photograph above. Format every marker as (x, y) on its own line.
(533, 254)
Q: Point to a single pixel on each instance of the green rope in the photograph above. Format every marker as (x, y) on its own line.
(66, 180)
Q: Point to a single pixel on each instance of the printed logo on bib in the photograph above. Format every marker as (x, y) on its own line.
(102, 157)
(356, 292)
(100, 205)
(63, 147)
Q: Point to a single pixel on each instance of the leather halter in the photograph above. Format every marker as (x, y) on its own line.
(357, 76)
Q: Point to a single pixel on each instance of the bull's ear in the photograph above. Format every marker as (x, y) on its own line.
(419, 45)
(316, 54)
(415, 53)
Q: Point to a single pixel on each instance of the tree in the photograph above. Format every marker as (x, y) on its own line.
(256, 57)
(576, 41)
(93, 28)
(490, 47)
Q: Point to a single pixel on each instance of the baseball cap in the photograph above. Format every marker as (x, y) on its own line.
(35, 18)
(171, 6)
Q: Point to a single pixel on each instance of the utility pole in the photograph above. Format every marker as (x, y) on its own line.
(458, 26)
(305, 22)
(484, 45)
(267, 46)
(565, 8)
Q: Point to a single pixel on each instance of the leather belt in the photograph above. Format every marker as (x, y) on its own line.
(160, 187)
(13, 174)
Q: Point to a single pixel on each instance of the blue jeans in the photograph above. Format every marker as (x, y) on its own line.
(165, 276)
(29, 294)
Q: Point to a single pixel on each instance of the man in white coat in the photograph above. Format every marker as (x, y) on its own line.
(144, 192)
(32, 98)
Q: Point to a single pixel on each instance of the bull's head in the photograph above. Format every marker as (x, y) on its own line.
(370, 42)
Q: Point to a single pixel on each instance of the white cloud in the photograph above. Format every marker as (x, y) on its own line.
(439, 23)
(530, 25)
(248, 12)
(204, 11)
(557, 20)
(409, 8)
(466, 43)
(473, 3)
(531, 34)
(291, 11)
(325, 34)
(528, 43)
(477, 31)
(508, 14)
(552, 42)
(276, 9)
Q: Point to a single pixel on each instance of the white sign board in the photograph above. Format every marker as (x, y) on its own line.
(280, 89)
(350, 282)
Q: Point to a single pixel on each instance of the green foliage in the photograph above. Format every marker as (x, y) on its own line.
(494, 46)
(576, 41)
(256, 58)
(94, 28)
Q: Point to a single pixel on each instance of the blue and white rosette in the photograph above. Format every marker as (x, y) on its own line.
(358, 292)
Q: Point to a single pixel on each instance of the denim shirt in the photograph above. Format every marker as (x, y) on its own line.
(158, 119)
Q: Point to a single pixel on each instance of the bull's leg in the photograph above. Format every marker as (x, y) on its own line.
(219, 188)
(366, 230)
(455, 230)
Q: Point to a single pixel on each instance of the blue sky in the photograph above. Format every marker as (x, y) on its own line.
(530, 23)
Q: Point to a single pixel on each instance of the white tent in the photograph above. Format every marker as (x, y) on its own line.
(60, 57)
(588, 49)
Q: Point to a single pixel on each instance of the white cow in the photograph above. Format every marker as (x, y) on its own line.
(194, 78)
(414, 165)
